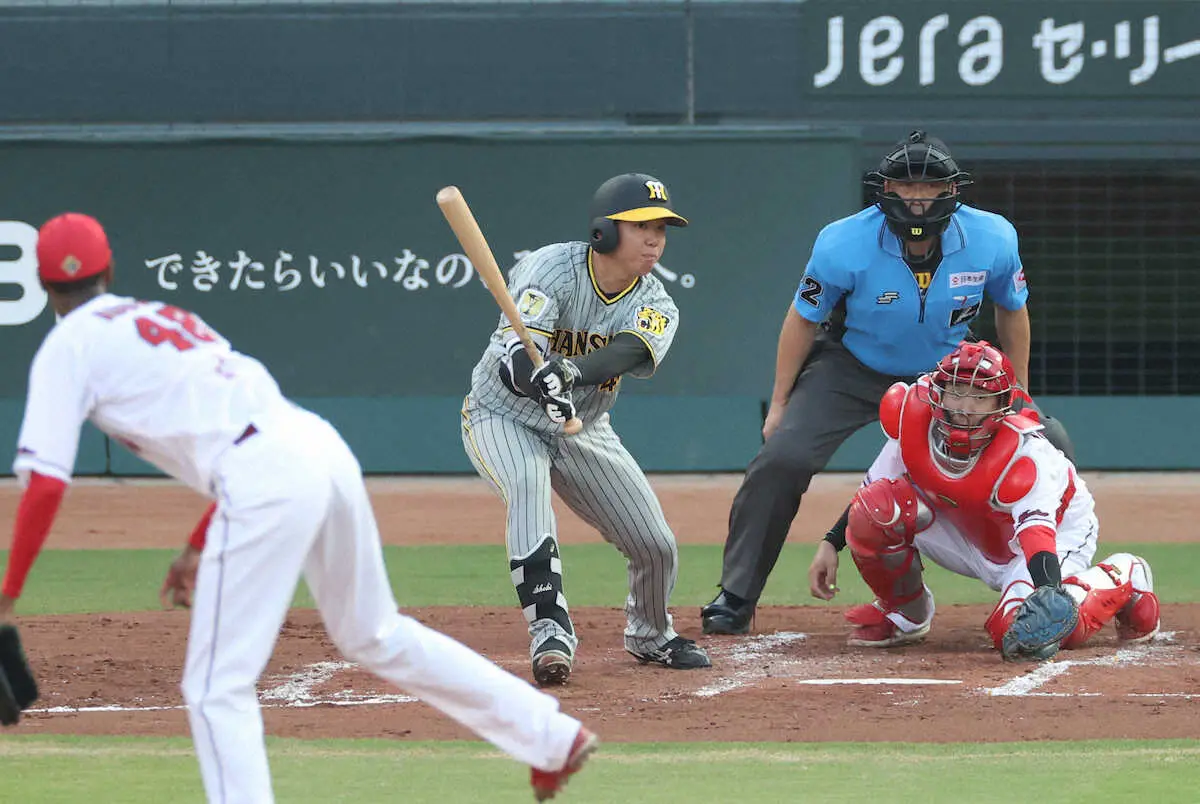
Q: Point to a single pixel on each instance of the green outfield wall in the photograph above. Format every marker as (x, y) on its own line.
(329, 260)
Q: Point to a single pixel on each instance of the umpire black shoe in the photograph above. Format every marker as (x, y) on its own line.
(727, 614)
(680, 653)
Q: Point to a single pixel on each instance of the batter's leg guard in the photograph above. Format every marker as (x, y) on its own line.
(538, 580)
(1120, 588)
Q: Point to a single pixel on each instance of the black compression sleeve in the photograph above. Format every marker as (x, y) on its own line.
(837, 534)
(1044, 569)
(624, 352)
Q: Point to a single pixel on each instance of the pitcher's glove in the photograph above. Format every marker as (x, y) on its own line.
(18, 690)
(1043, 621)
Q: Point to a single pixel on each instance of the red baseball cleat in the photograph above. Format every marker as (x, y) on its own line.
(547, 783)
(873, 629)
(1138, 620)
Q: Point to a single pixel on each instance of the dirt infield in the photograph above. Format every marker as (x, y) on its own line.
(794, 679)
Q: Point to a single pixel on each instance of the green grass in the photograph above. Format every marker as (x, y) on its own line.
(144, 770)
(129, 771)
(75, 581)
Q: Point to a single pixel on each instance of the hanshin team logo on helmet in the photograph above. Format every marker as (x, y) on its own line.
(632, 197)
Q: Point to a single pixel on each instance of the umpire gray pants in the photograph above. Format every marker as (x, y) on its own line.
(834, 396)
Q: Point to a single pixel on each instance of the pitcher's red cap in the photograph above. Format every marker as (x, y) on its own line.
(70, 247)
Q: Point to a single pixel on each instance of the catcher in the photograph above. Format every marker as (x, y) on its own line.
(976, 488)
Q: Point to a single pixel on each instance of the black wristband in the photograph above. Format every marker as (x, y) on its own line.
(1044, 569)
(837, 534)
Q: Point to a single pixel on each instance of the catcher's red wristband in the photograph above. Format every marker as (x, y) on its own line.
(39, 505)
(1038, 539)
(198, 536)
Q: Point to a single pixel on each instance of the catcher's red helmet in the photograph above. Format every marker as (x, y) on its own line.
(70, 247)
(984, 372)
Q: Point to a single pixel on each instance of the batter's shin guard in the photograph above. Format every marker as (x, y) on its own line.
(538, 579)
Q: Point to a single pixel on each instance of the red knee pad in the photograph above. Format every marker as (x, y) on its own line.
(886, 516)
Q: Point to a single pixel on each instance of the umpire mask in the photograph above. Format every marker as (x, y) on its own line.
(917, 160)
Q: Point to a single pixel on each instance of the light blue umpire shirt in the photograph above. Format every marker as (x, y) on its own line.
(890, 326)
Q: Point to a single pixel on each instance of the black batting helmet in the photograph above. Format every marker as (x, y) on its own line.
(917, 158)
(628, 197)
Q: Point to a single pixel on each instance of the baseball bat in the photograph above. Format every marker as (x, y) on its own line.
(470, 236)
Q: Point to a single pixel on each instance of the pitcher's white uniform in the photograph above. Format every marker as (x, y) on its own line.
(290, 503)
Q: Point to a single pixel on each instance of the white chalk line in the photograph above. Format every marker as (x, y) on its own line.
(1027, 684)
(294, 691)
(878, 682)
(753, 660)
(759, 657)
(748, 658)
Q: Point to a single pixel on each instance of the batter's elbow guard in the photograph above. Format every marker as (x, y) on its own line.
(18, 689)
(516, 370)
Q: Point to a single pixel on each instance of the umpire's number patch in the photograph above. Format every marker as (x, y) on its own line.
(810, 291)
(652, 321)
(532, 304)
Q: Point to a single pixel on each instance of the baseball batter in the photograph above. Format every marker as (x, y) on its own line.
(598, 312)
(976, 488)
(290, 502)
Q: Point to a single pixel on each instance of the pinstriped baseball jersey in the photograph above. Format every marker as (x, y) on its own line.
(526, 457)
(566, 312)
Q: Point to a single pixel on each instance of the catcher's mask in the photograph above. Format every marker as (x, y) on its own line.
(918, 160)
(971, 391)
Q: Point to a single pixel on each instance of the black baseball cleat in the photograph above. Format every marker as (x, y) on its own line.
(552, 663)
(680, 653)
(727, 614)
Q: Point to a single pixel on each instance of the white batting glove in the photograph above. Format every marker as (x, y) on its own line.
(556, 377)
(559, 409)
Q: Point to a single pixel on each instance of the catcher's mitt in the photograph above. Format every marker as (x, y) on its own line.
(1043, 621)
(18, 689)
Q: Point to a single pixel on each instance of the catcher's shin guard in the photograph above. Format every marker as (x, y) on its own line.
(1121, 588)
(885, 518)
(538, 579)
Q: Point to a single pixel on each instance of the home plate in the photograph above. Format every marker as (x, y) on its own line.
(877, 682)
